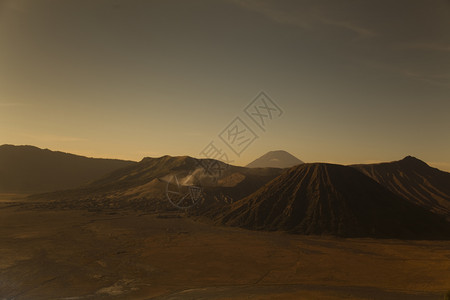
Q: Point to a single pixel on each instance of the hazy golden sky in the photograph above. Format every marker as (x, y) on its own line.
(358, 81)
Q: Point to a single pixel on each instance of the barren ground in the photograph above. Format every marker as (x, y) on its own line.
(68, 254)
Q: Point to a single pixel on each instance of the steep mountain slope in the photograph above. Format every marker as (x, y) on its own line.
(335, 200)
(144, 184)
(275, 159)
(28, 169)
(414, 180)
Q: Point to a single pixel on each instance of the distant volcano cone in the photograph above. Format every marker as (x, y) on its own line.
(332, 200)
(275, 159)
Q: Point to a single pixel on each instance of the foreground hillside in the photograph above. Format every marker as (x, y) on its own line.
(332, 199)
(414, 180)
(28, 169)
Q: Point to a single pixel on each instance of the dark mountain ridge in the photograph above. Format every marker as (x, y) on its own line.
(28, 169)
(332, 199)
(414, 180)
(145, 183)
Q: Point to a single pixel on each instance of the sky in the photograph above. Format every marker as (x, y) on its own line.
(344, 81)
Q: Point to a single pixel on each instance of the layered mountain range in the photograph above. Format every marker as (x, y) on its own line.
(400, 199)
(145, 184)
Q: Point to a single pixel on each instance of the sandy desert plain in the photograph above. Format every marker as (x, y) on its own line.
(127, 254)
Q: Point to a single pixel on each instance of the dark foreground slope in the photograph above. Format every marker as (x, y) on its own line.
(332, 200)
(28, 169)
(413, 180)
